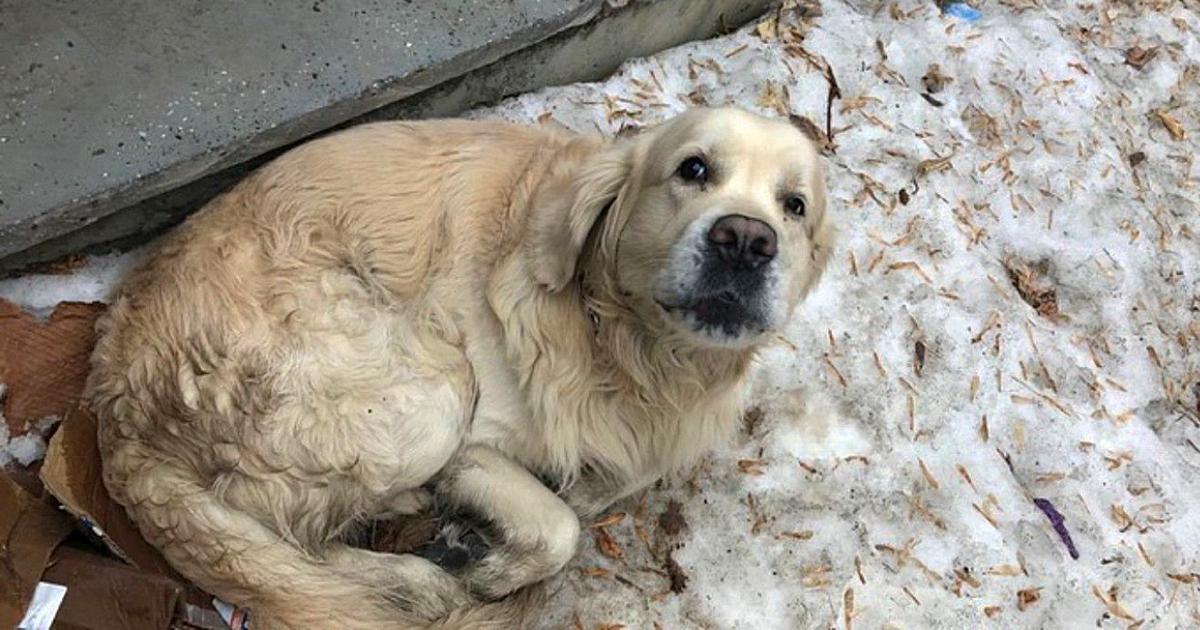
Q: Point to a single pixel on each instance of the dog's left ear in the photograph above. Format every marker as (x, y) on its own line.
(573, 200)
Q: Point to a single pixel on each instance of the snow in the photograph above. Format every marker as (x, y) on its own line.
(883, 490)
(23, 449)
(39, 293)
(27, 448)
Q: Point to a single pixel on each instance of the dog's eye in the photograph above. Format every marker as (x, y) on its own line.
(694, 169)
(795, 205)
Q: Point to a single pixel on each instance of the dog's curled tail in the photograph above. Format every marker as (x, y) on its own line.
(355, 611)
(510, 613)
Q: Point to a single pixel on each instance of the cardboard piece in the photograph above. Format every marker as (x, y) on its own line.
(104, 594)
(44, 364)
(30, 529)
(72, 473)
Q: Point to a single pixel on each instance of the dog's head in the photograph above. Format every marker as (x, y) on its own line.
(712, 224)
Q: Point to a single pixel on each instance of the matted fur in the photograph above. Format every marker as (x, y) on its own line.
(446, 306)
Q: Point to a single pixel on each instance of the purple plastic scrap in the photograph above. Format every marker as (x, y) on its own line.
(1056, 521)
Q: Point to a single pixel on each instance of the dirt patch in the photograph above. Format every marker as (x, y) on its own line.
(752, 418)
(675, 574)
(672, 521)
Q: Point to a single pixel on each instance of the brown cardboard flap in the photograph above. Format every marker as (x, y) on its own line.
(72, 473)
(104, 594)
(44, 364)
(29, 531)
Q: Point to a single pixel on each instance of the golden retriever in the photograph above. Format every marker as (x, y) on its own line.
(443, 311)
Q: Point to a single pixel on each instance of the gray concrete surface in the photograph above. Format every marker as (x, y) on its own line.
(109, 101)
(117, 118)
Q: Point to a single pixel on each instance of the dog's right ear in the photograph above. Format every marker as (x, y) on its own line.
(565, 210)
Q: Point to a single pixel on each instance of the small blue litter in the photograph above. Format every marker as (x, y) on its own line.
(963, 11)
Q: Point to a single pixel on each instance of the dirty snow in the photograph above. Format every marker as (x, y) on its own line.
(24, 449)
(918, 404)
(39, 294)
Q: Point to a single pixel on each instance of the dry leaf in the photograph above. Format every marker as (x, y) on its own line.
(608, 546)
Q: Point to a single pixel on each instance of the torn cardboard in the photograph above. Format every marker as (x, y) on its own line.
(30, 529)
(44, 364)
(102, 593)
(106, 594)
(72, 473)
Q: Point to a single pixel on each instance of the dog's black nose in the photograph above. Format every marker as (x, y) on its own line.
(743, 241)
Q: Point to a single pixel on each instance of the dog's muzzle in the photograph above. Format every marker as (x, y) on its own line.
(727, 296)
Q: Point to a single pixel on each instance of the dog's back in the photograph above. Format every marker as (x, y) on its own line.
(237, 359)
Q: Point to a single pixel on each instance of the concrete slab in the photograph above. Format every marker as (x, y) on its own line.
(108, 102)
(128, 186)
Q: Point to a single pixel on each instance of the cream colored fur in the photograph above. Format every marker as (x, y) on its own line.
(438, 307)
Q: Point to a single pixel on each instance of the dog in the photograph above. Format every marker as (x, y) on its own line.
(446, 312)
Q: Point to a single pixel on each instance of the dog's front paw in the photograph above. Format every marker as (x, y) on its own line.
(455, 547)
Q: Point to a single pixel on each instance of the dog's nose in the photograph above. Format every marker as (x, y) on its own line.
(741, 240)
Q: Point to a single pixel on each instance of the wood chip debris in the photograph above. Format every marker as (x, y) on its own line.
(1027, 597)
(933, 80)
(751, 466)
(1172, 124)
(1138, 57)
(610, 520)
(1031, 284)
